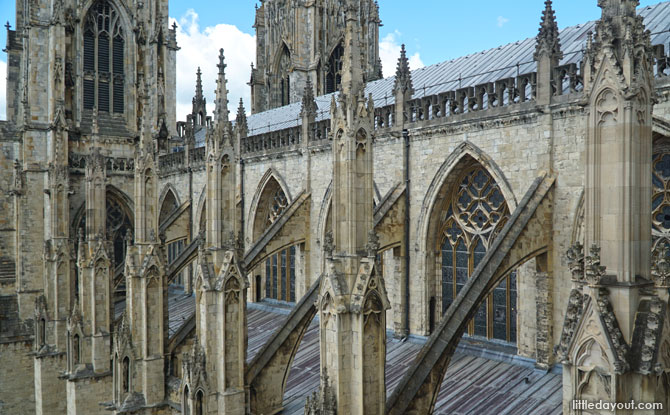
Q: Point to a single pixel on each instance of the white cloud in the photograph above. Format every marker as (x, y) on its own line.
(389, 52)
(200, 48)
(3, 90)
(502, 20)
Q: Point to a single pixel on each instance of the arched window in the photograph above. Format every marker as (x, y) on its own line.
(41, 333)
(125, 375)
(476, 212)
(284, 79)
(199, 403)
(280, 275)
(334, 70)
(75, 349)
(103, 56)
(185, 406)
(118, 223)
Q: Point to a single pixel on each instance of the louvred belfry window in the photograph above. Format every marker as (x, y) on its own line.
(104, 47)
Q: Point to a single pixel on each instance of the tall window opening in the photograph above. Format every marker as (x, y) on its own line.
(334, 70)
(476, 213)
(284, 79)
(125, 375)
(103, 55)
(280, 275)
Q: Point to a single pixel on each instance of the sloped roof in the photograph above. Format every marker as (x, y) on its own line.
(478, 68)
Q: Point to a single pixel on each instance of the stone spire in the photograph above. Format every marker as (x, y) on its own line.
(403, 75)
(547, 39)
(221, 110)
(309, 106)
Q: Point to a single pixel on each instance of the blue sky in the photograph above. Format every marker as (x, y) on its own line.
(433, 30)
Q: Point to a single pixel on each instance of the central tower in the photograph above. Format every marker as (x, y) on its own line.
(300, 40)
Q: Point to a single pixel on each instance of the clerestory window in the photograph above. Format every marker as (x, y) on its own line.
(334, 70)
(476, 214)
(104, 46)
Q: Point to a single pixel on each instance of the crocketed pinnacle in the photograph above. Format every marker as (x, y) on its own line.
(309, 106)
(403, 75)
(548, 38)
(221, 110)
(241, 119)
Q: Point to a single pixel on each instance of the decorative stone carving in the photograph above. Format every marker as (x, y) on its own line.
(328, 244)
(660, 266)
(323, 403)
(572, 318)
(593, 271)
(372, 247)
(575, 256)
(619, 345)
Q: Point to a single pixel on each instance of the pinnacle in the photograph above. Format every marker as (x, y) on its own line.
(241, 119)
(548, 36)
(221, 90)
(309, 106)
(198, 83)
(403, 75)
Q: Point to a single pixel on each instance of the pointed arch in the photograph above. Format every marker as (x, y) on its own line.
(120, 219)
(464, 151)
(271, 186)
(200, 212)
(467, 204)
(333, 69)
(167, 190)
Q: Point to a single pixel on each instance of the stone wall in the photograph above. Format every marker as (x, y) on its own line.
(17, 385)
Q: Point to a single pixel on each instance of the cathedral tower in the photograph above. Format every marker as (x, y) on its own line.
(296, 41)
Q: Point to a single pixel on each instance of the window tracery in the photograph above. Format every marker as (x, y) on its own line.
(476, 212)
(334, 69)
(277, 206)
(103, 55)
(660, 199)
(284, 79)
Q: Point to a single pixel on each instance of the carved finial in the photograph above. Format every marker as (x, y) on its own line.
(329, 244)
(309, 106)
(373, 244)
(548, 42)
(575, 256)
(403, 75)
(593, 271)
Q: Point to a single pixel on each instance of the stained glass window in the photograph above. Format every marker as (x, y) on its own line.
(280, 275)
(476, 212)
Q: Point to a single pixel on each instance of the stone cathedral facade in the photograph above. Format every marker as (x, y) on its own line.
(515, 199)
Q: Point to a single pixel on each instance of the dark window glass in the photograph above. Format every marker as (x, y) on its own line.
(292, 274)
(284, 285)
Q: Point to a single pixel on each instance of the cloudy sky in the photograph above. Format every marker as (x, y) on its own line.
(433, 30)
